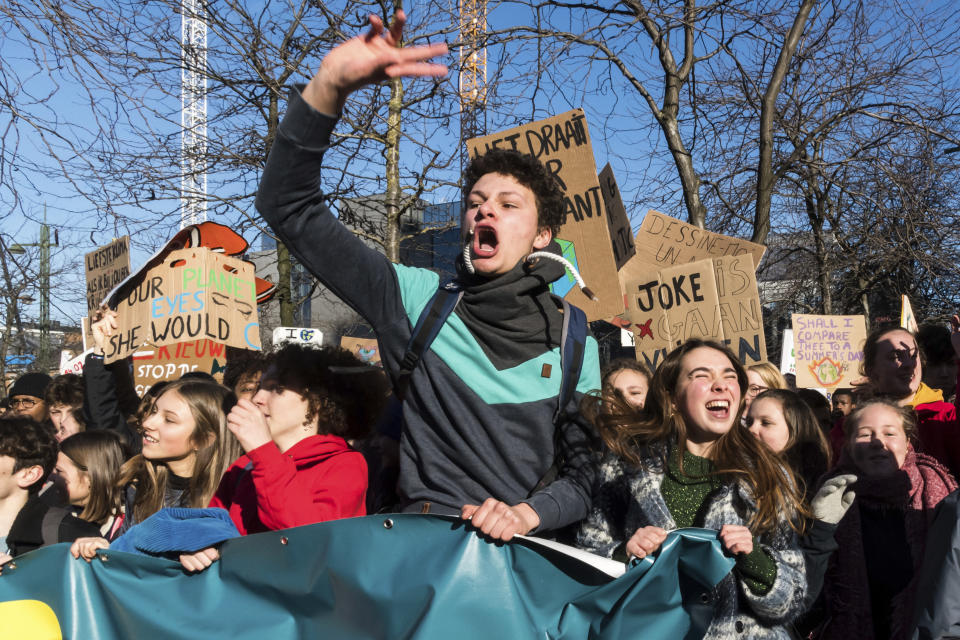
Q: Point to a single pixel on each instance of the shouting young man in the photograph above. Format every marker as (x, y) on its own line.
(482, 437)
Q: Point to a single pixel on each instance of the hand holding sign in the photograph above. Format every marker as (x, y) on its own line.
(368, 59)
(103, 328)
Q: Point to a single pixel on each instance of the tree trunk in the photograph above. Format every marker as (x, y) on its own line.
(391, 243)
(765, 174)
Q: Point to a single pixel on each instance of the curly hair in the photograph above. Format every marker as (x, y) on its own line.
(344, 394)
(65, 389)
(529, 172)
(241, 363)
(30, 444)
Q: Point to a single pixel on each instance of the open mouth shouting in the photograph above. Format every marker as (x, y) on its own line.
(485, 243)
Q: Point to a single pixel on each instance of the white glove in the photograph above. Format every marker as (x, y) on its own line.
(834, 498)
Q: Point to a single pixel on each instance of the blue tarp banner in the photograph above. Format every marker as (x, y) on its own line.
(396, 576)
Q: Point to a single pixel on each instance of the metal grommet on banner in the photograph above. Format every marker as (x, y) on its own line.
(104, 557)
(388, 524)
(283, 540)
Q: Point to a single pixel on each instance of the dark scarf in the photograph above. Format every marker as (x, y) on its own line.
(513, 316)
(915, 491)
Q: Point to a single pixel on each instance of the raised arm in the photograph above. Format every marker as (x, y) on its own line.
(368, 59)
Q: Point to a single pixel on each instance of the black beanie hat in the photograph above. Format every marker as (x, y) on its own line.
(30, 384)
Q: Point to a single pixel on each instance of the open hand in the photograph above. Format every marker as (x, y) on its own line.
(368, 59)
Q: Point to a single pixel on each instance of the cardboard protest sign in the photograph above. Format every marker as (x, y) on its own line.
(788, 360)
(156, 364)
(366, 349)
(190, 294)
(69, 364)
(664, 241)
(621, 233)
(562, 144)
(713, 299)
(105, 268)
(300, 335)
(829, 349)
(907, 320)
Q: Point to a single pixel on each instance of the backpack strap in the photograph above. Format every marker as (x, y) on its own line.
(50, 526)
(431, 320)
(573, 340)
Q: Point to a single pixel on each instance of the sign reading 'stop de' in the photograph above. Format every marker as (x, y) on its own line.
(562, 144)
(190, 294)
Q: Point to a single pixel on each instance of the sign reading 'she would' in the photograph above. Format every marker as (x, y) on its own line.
(562, 144)
(106, 268)
(191, 294)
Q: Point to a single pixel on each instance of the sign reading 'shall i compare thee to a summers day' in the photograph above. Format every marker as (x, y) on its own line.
(829, 349)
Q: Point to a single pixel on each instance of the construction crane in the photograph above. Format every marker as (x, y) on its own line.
(193, 112)
(473, 71)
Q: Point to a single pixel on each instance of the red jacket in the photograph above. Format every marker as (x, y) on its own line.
(937, 429)
(318, 479)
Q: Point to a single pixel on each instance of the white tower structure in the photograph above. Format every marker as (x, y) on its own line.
(193, 112)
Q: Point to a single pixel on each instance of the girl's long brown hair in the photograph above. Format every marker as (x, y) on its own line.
(737, 455)
(98, 455)
(217, 448)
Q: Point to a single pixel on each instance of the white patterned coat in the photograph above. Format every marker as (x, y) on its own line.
(628, 498)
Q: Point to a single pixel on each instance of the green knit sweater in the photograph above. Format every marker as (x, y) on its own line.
(685, 494)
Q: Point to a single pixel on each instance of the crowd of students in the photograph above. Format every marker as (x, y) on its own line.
(826, 512)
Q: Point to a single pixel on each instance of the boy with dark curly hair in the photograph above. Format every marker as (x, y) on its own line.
(64, 399)
(299, 468)
(480, 439)
(28, 453)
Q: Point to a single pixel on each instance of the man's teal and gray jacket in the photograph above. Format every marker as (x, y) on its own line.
(478, 410)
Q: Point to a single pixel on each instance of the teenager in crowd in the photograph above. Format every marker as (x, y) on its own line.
(786, 424)
(940, 364)
(871, 586)
(186, 449)
(89, 465)
(26, 396)
(298, 468)
(892, 363)
(110, 399)
(28, 453)
(687, 462)
(244, 368)
(485, 394)
(627, 380)
(760, 377)
(844, 401)
(64, 399)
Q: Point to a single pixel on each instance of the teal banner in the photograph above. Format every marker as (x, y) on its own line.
(396, 576)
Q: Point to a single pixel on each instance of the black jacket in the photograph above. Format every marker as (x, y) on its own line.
(26, 533)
